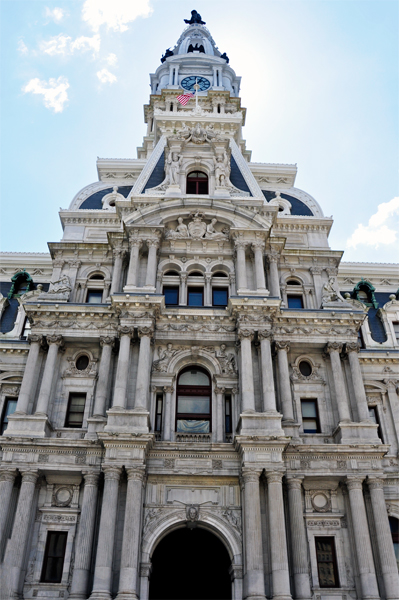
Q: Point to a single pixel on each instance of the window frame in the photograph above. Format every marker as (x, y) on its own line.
(316, 418)
(67, 421)
(330, 539)
(295, 296)
(185, 390)
(94, 291)
(158, 421)
(198, 288)
(197, 181)
(228, 415)
(4, 414)
(46, 556)
(220, 289)
(171, 287)
(374, 408)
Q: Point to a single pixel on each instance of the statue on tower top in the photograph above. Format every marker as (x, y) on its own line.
(195, 19)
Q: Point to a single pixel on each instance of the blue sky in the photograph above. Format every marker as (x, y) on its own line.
(319, 80)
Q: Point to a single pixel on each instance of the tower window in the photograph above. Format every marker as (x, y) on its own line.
(326, 562)
(197, 183)
(194, 392)
(54, 556)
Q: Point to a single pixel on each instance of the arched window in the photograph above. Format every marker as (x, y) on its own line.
(194, 394)
(364, 292)
(197, 183)
(295, 294)
(21, 283)
(394, 525)
(97, 276)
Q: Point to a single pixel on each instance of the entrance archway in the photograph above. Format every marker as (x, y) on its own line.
(190, 564)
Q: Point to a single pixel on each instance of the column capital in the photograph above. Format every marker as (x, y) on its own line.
(135, 473)
(135, 241)
(246, 334)
(258, 245)
(265, 334)
(219, 390)
(91, 477)
(208, 277)
(272, 256)
(145, 332)
(375, 483)
(274, 477)
(153, 242)
(124, 330)
(29, 476)
(294, 482)
(315, 270)
(8, 474)
(183, 276)
(240, 244)
(250, 475)
(55, 339)
(118, 252)
(35, 338)
(333, 347)
(352, 347)
(283, 345)
(112, 473)
(168, 389)
(354, 482)
(107, 341)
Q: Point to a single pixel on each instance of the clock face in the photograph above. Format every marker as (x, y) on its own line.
(188, 83)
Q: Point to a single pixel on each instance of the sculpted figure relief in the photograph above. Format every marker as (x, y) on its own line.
(331, 292)
(165, 355)
(197, 229)
(222, 170)
(61, 286)
(172, 171)
(227, 360)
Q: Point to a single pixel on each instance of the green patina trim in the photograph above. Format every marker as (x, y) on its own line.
(369, 289)
(20, 275)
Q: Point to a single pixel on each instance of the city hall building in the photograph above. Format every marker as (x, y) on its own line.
(198, 400)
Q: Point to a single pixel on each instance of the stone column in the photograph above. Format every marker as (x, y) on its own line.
(129, 579)
(7, 479)
(247, 381)
(122, 370)
(144, 368)
(268, 392)
(106, 536)
(299, 542)
(145, 572)
(274, 284)
(254, 582)
(135, 245)
(153, 246)
(167, 425)
(241, 272)
(55, 342)
(284, 381)
(183, 289)
(119, 254)
(208, 289)
(279, 554)
(334, 349)
(352, 350)
(84, 541)
(384, 540)
(107, 344)
(27, 385)
(21, 530)
(318, 285)
(219, 429)
(368, 580)
(257, 249)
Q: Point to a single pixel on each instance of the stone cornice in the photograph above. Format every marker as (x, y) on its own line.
(89, 217)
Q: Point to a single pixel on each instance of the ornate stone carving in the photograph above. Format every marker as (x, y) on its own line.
(233, 517)
(197, 229)
(226, 360)
(123, 330)
(192, 512)
(354, 482)
(333, 347)
(352, 347)
(72, 371)
(60, 290)
(55, 339)
(62, 495)
(145, 332)
(281, 345)
(248, 334)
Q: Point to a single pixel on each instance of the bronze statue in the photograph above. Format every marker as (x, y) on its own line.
(168, 52)
(195, 19)
(226, 58)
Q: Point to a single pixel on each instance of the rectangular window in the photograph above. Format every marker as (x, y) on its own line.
(219, 296)
(171, 295)
(158, 412)
(294, 301)
(360, 339)
(326, 562)
(195, 296)
(54, 556)
(10, 405)
(94, 297)
(76, 409)
(26, 330)
(310, 416)
(396, 330)
(228, 426)
(373, 415)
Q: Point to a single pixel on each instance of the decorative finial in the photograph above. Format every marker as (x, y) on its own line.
(195, 19)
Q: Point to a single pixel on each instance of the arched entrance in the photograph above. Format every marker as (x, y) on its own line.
(190, 564)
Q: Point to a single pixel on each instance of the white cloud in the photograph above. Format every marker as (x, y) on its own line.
(115, 14)
(65, 45)
(54, 92)
(22, 47)
(56, 14)
(112, 59)
(105, 76)
(382, 228)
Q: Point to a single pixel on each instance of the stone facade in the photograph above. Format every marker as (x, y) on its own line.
(99, 327)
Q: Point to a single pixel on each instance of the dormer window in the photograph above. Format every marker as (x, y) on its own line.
(197, 183)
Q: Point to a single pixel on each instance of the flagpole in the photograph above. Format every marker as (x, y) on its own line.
(196, 87)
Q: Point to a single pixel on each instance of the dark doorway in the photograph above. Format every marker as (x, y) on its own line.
(190, 564)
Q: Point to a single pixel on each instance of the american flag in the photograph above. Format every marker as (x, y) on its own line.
(184, 98)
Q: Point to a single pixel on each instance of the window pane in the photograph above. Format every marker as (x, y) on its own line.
(202, 187)
(195, 297)
(54, 557)
(9, 408)
(295, 301)
(94, 297)
(219, 297)
(372, 414)
(191, 187)
(325, 553)
(310, 426)
(186, 426)
(198, 404)
(308, 408)
(76, 410)
(194, 377)
(171, 295)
